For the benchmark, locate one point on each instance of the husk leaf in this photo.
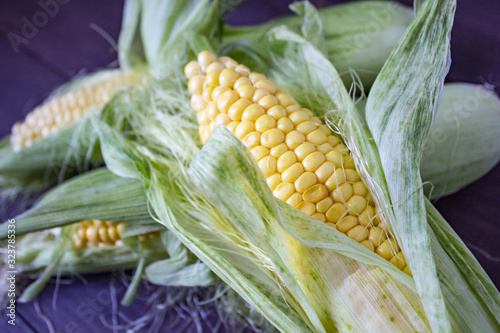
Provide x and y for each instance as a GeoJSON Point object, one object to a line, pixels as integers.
{"type": "Point", "coordinates": [98, 194]}
{"type": "Point", "coordinates": [399, 112]}
{"type": "Point", "coordinates": [463, 144]}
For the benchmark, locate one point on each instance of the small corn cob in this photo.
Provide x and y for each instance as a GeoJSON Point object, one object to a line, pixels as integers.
{"type": "Point", "coordinates": [96, 233]}
{"type": "Point", "coordinates": [304, 164]}
{"type": "Point", "coordinates": [63, 110]}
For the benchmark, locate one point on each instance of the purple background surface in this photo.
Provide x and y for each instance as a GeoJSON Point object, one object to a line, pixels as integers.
{"type": "Point", "coordinates": [69, 45]}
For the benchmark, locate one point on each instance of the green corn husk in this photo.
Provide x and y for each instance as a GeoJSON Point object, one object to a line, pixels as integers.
{"type": "Point", "coordinates": [461, 146]}
{"type": "Point", "coordinates": [82, 198]}
{"type": "Point", "coordinates": [153, 31]}
{"type": "Point", "coordinates": [399, 112]}
{"type": "Point", "coordinates": [358, 36]}
{"type": "Point", "coordinates": [463, 142]}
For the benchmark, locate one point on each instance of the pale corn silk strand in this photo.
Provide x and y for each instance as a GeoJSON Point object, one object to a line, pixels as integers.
{"type": "Point", "coordinates": [304, 164]}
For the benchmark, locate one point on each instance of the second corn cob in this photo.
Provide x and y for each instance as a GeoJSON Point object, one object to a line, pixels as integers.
{"type": "Point", "coordinates": [304, 164]}
{"type": "Point", "coordinates": [61, 111]}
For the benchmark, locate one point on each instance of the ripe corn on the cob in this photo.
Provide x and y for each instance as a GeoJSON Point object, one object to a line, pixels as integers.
{"type": "Point", "coordinates": [97, 233]}
{"type": "Point", "coordinates": [304, 164]}
{"type": "Point", "coordinates": [63, 110]}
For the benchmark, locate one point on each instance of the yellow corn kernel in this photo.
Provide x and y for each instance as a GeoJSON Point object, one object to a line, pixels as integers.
{"type": "Point", "coordinates": [197, 103]}
{"type": "Point", "coordinates": [215, 66]}
{"type": "Point", "coordinates": [351, 175]}
{"type": "Point", "coordinates": [335, 157]}
{"type": "Point", "coordinates": [226, 100]}
{"type": "Point", "coordinates": [399, 260]}
{"type": "Point", "coordinates": [292, 173]}
{"type": "Point", "coordinates": [212, 78]}
{"type": "Point", "coordinates": [323, 205]}
{"type": "Point", "coordinates": [325, 171]}
{"type": "Point", "coordinates": [258, 94]}
{"type": "Point", "coordinates": [388, 249]}
{"type": "Point", "coordinates": [347, 223]}
{"type": "Point", "coordinates": [312, 161]}
{"type": "Point", "coordinates": [294, 199]}
{"type": "Point", "coordinates": [305, 181]}
{"type": "Point", "coordinates": [342, 193]}
{"type": "Point", "coordinates": [377, 236]}
{"type": "Point", "coordinates": [285, 125]}
{"type": "Point", "coordinates": [242, 70]}
{"type": "Point", "coordinates": [246, 91]}
{"type": "Point", "coordinates": [252, 112]}
{"type": "Point", "coordinates": [356, 204]}
{"type": "Point", "coordinates": [252, 139]}
{"type": "Point", "coordinates": [315, 193]}
{"type": "Point", "coordinates": [254, 76]}
{"type": "Point", "coordinates": [235, 111]}
{"type": "Point", "coordinates": [191, 69]}
{"type": "Point", "coordinates": [306, 127]}
{"type": "Point", "coordinates": [359, 233]}
{"type": "Point", "coordinates": [298, 117]}
{"type": "Point", "coordinates": [205, 58]}
{"type": "Point", "coordinates": [273, 181]}
{"type": "Point", "coordinates": [360, 189]}
{"type": "Point", "coordinates": [267, 165]}
{"type": "Point", "coordinates": [279, 150]}
{"type": "Point", "coordinates": [303, 150]}
{"type": "Point", "coordinates": [273, 137]}
{"type": "Point", "coordinates": [368, 245]}
{"type": "Point", "coordinates": [317, 137]}
{"type": "Point", "coordinates": [335, 212]}
{"type": "Point", "coordinates": [244, 128]}
{"type": "Point", "coordinates": [268, 101]}
{"type": "Point", "coordinates": [264, 123]}
{"type": "Point", "coordinates": [259, 152]}
{"type": "Point", "coordinates": [283, 191]}
{"type": "Point", "coordinates": [306, 207]}
{"type": "Point", "coordinates": [286, 160]}
{"type": "Point", "coordinates": [285, 99]}
{"type": "Point", "coordinates": [367, 215]}
{"type": "Point", "coordinates": [277, 112]}
{"type": "Point", "coordinates": [218, 91]}
{"type": "Point", "coordinates": [222, 119]}
{"type": "Point", "coordinates": [243, 81]}
{"type": "Point", "coordinates": [228, 77]}
{"type": "Point", "coordinates": [265, 84]}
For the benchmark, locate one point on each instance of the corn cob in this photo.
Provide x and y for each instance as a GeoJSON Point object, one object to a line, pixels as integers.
{"type": "Point", "coordinates": [304, 164]}
{"type": "Point", "coordinates": [97, 233]}
{"type": "Point", "coordinates": [63, 110]}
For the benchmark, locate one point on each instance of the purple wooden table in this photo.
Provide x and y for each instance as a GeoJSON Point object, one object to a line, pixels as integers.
{"type": "Point", "coordinates": [69, 44]}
